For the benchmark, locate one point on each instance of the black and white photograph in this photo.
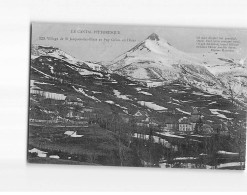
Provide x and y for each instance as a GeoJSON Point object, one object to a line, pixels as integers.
{"type": "Point", "coordinates": [123, 96]}
{"type": "Point", "coordinates": [137, 96]}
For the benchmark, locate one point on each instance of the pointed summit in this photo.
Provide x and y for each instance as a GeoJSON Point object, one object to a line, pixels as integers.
{"type": "Point", "coordinates": [154, 37]}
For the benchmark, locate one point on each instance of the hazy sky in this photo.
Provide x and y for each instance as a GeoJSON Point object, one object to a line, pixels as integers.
{"type": "Point", "coordinates": [180, 37]}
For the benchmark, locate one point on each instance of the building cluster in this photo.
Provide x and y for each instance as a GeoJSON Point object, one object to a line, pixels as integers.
{"type": "Point", "coordinates": [188, 125]}
{"type": "Point", "coordinates": [77, 111]}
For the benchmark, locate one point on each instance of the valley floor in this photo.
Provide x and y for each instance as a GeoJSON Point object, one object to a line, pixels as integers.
{"type": "Point", "coordinates": [94, 145]}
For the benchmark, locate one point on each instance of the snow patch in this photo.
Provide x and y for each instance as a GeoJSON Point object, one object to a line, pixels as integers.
{"type": "Point", "coordinates": [184, 158]}
{"type": "Point", "coordinates": [46, 75]}
{"type": "Point", "coordinates": [229, 153]}
{"type": "Point", "coordinates": [96, 67]}
{"type": "Point", "coordinates": [154, 83]}
{"type": "Point", "coordinates": [43, 83]}
{"type": "Point", "coordinates": [151, 105]}
{"type": "Point", "coordinates": [200, 135]}
{"type": "Point", "coordinates": [72, 134]}
{"type": "Point", "coordinates": [39, 152]}
{"type": "Point", "coordinates": [231, 164]}
{"type": "Point", "coordinates": [183, 111]}
{"type": "Point", "coordinates": [215, 112]}
{"type": "Point", "coordinates": [80, 90]}
{"type": "Point", "coordinates": [87, 72]}
{"type": "Point", "coordinates": [118, 94]}
{"type": "Point", "coordinates": [54, 156]}
{"type": "Point", "coordinates": [109, 102]}
{"type": "Point", "coordinates": [170, 135]}
{"type": "Point", "coordinates": [145, 93]}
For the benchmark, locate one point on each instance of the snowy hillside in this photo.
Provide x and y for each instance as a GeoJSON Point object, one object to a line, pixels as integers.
{"type": "Point", "coordinates": [156, 62]}
{"type": "Point", "coordinates": [38, 50]}
{"type": "Point", "coordinates": [232, 72]}
{"type": "Point", "coordinates": [154, 59]}
{"type": "Point", "coordinates": [55, 79]}
{"type": "Point", "coordinates": [218, 62]}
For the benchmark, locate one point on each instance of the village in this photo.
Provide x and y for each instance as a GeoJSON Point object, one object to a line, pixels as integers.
{"type": "Point", "coordinates": [173, 140]}
{"type": "Point", "coordinates": [115, 121]}
{"type": "Point", "coordinates": [77, 113]}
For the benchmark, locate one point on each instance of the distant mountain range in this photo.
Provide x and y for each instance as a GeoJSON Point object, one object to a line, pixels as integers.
{"type": "Point", "coordinates": [153, 78]}
{"type": "Point", "coordinates": [154, 62]}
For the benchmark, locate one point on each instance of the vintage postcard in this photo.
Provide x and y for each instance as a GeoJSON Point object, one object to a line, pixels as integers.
{"type": "Point", "coordinates": [139, 96]}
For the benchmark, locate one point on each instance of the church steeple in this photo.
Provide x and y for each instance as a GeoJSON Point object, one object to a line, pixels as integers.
{"type": "Point", "coordinates": [196, 120]}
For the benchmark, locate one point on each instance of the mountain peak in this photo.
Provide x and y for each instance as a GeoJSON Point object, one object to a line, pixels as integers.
{"type": "Point", "coordinates": [153, 36]}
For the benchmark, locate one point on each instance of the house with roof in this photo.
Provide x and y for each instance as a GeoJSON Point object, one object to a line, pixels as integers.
{"type": "Point", "coordinates": [142, 118]}
{"type": "Point", "coordinates": [185, 125]}
{"type": "Point", "coordinates": [170, 125]}
{"type": "Point", "coordinates": [140, 114]}
{"type": "Point", "coordinates": [193, 124]}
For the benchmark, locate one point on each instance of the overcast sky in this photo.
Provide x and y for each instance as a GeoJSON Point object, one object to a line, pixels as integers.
{"type": "Point", "coordinates": [180, 37]}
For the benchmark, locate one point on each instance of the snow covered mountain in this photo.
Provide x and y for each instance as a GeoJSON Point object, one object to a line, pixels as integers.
{"type": "Point", "coordinates": [53, 79]}
{"type": "Point", "coordinates": [232, 72]}
{"type": "Point", "coordinates": [218, 62]}
{"type": "Point", "coordinates": [156, 60]}
{"type": "Point", "coordinates": [38, 50]}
